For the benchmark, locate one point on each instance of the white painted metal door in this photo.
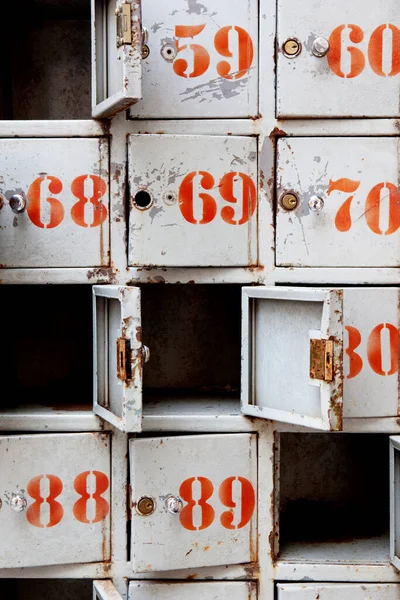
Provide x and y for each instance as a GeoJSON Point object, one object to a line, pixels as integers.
{"type": "Point", "coordinates": [210, 590]}
{"type": "Point", "coordinates": [292, 355]}
{"type": "Point", "coordinates": [194, 501]}
{"type": "Point", "coordinates": [54, 203]}
{"type": "Point", "coordinates": [203, 60]}
{"type": "Point", "coordinates": [105, 590]}
{"type": "Point", "coordinates": [116, 56]}
{"type": "Point", "coordinates": [118, 356]}
{"type": "Point", "coordinates": [338, 591]}
{"type": "Point", "coordinates": [186, 207]}
{"type": "Point", "coordinates": [360, 73]}
{"type": "Point", "coordinates": [55, 499]}
{"type": "Point", "coordinates": [348, 211]}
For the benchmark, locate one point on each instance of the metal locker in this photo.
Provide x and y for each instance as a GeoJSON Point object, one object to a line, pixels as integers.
{"type": "Point", "coordinates": [226, 590]}
{"type": "Point", "coordinates": [187, 208]}
{"type": "Point", "coordinates": [341, 59]}
{"type": "Point", "coordinates": [338, 202]}
{"type": "Point", "coordinates": [200, 61]}
{"type": "Point", "coordinates": [55, 499]}
{"type": "Point", "coordinates": [338, 591]}
{"type": "Point", "coordinates": [54, 203]}
{"type": "Point", "coordinates": [313, 356]}
{"type": "Point", "coordinates": [194, 501]}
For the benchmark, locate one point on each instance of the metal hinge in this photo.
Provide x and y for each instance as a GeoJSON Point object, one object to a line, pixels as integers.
{"type": "Point", "coordinates": [321, 359]}
{"type": "Point", "coordinates": [124, 360]}
{"type": "Point", "coordinates": [124, 24]}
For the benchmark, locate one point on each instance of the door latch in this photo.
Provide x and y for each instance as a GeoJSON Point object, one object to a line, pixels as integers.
{"type": "Point", "coordinates": [321, 359]}
{"type": "Point", "coordinates": [124, 362]}
{"type": "Point", "coordinates": [124, 24]}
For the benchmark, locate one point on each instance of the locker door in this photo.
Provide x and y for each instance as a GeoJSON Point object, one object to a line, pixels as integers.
{"type": "Point", "coordinates": [338, 59]}
{"type": "Point", "coordinates": [54, 203]}
{"type": "Point", "coordinates": [118, 356]}
{"type": "Point", "coordinates": [210, 590]}
{"type": "Point", "coordinates": [292, 355]}
{"type": "Point", "coordinates": [54, 499]}
{"type": "Point", "coordinates": [395, 501]}
{"type": "Point", "coordinates": [105, 590]}
{"type": "Point", "coordinates": [116, 56]}
{"type": "Point", "coordinates": [338, 591]}
{"type": "Point", "coordinates": [194, 501]}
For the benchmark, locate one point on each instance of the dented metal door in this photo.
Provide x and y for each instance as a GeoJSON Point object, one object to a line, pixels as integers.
{"type": "Point", "coordinates": [54, 203]}
{"type": "Point", "coordinates": [292, 355]}
{"type": "Point", "coordinates": [210, 590]}
{"type": "Point", "coordinates": [194, 501]}
{"type": "Point", "coordinates": [118, 356]}
{"type": "Point", "coordinates": [116, 56]}
{"type": "Point", "coordinates": [54, 499]}
{"type": "Point", "coordinates": [338, 202]}
{"type": "Point", "coordinates": [105, 590]}
{"type": "Point", "coordinates": [189, 209]}
{"type": "Point", "coordinates": [338, 59]}
{"type": "Point", "coordinates": [338, 591]}
{"type": "Point", "coordinates": [201, 59]}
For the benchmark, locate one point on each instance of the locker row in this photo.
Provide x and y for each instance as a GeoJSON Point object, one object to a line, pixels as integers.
{"type": "Point", "coordinates": [306, 356]}
{"type": "Point", "coordinates": [193, 501]}
{"type": "Point", "coordinates": [334, 202]}
{"type": "Point", "coordinates": [198, 60]}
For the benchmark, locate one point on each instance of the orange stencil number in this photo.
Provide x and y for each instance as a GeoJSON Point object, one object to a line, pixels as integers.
{"type": "Point", "coordinates": [34, 206]}
{"type": "Point", "coordinates": [200, 56]}
{"type": "Point", "coordinates": [207, 512]}
{"type": "Point", "coordinates": [248, 199]}
{"type": "Point", "coordinates": [245, 52]}
{"type": "Point", "coordinates": [373, 208]}
{"type": "Point", "coordinates": [335, 58]}
{"type": "Point", "coordinates": [247, 502]}
{"type": "Point", "coordinates": [376, 53]}
{"type": "Point", "coordinates": [89, 189]}
{"type": "Point", "coordinates": [36, 510]}
{"type": "Point", "coordinates": [101, 506]}
{"type": "Point", "coordinates": [343, 216]}
{"type": "Point", "coordinates": [355, 360]}
{"type": "Point", "coordinates": [375, 352]}
{"type": "Point", "coordinates": [186, 198]}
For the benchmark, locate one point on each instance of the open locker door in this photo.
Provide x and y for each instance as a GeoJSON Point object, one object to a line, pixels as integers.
{"type": "Point", "coordinates": [116, 56]}
{"type": "Point", "coordinates": [395, 501]}
{"type": "Point", "coordinates": [118, 356]}
{"type": "Point", "coordinates": [292, 355]}
{"type": "Point", "coordinates": [105, 590]}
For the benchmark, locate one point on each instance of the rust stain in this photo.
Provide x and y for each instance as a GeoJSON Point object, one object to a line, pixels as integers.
{"type": "Point", "coordinates": [276, 132]}
{"type": "Point", "coordinates": [206, 548]}
{"type": "Point", "coordinates": [193, 576]}
{"type": "Point", "coordinates": [252, 570]}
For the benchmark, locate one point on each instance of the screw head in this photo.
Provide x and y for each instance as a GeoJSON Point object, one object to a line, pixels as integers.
{"type": "Point", "coordinates": [18, 503]}
{"type": "Point", "coordinates": [145, 506]}
{"type": "Point", "coordinates": [316, 203]}
{"type": "Point", "coordinates": [320, 47]}
{"type": "Point", "coordinates": [174, 505]}
{"type": "Point", "coordinates": [17, 203]}
{"type": "Point", "coordinates": [289, 201]}
{"type": "Point", "coordinates": [291, 48]}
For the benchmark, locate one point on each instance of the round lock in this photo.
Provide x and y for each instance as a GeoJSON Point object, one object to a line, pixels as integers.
{"type": "Point", "coordinates": [17, 203]}
{"type": "Point", "coordinates": [291, 48]}
{"type": "Point", "coordinates": [320, 47]}
{"type": "Point", "coordinates": [145, 51]}
{"type": "Point", "coordinates": [289, 201]}
{"type": "Point", "coordinates": [18, 503]}
{"type": "Point", "coordinates": [174, 505]}
{"type": "Point", "coordinates": [315, 203]}
{"type": "Point", "coordinates": [145, 506]}
{"type": "Point", "coordinates": [142, 200]}
{"type": "Point", "coordinates": [170, 198]}
{"type": "Point", "coordinates": [168, 52]}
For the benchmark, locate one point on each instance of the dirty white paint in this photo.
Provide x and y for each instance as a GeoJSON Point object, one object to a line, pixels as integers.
{"type": "Point", "coordinates": [308, 87]}
{"type": "Point", "coordinates": [162, 541]}
{"type": "Point", "coordinates": [29, 538]}
{"type": "Point", "coordinates": [199, 91]}
{"type": "Point", "coordinates": [58, 228]}
{"type": "Point", "coordinates": [338, 591]}
{"type": "Point", "coordinates": [359, 224]}
{"type": "Point", "coordinates": [170, 231]}
{"type": "Point", "coordinates": [227, 590]}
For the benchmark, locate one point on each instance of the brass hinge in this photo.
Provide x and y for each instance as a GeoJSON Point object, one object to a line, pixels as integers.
{"type": "Point", "coordinates": [321, 359]}
{"type": "Point", "coordinates": [124, 24]}
{"type": "Point", "coordinates": [124, 359]}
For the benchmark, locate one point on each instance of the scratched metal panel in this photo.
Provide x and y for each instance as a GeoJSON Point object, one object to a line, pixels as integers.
{"type": "Point", "coordinates": [64, 479]}
{"type": "Point", "coordinates": [216, 478]}
{"type": "Point", "coordinates": [199, 211]}
{"type": "Point", "coordinates": [65, 185]}
{"type": "Point", "coordinates": [359, 223]}
{"type": "Point", "coordinates": [338, 591]}
{"type": "Point", "coordinates": [210, 590]}
{"type": "Point", "coordinates": [360, 74]}
{"type": "Point", "coordinates": [203, 59]}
